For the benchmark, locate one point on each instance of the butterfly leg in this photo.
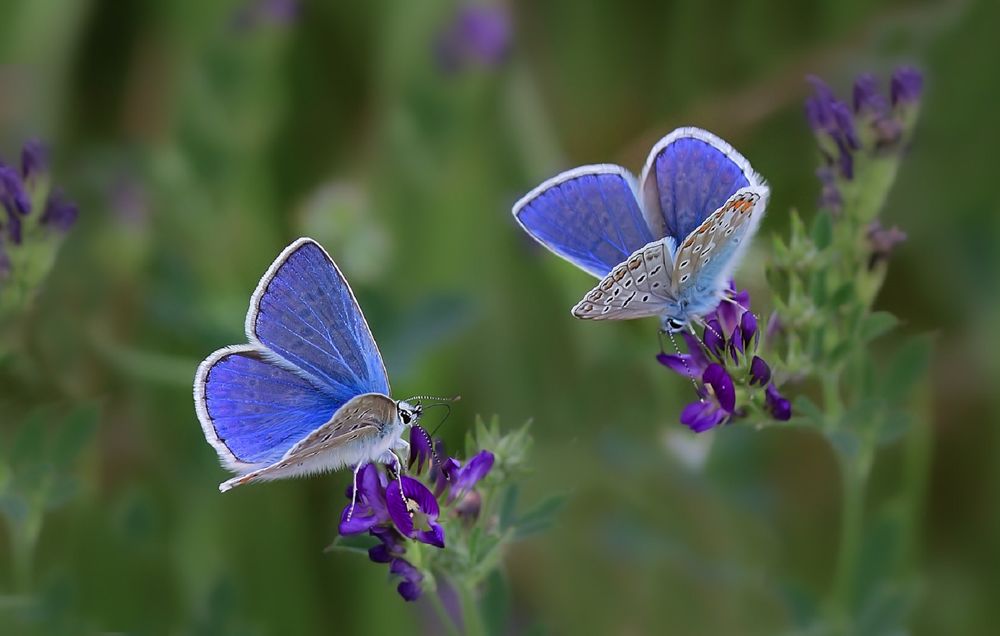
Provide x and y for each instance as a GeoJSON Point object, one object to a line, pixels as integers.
{"type": "Point", "coordinates": [390, 457]}
{"type": "Point", "coordinates": [354, 490]}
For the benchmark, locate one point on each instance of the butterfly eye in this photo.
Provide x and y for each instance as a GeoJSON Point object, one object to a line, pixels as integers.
{"type": "Point", "coordinates": [674, 325]}
{"type": "Point", "coordinates": [405, 416]}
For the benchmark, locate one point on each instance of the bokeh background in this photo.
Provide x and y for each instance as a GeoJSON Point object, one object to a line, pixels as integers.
{"type": "Point", "coordinates": [200, 137]}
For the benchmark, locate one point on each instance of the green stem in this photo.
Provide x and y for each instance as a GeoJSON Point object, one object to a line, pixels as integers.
{"type": "Point", "coordinates": [854, 469]}
{"type": "Point", "coordinates": [916, 464]}
{"type": "Point", "coordinates": [832, 406]}
{"type": "Point", "coordinates": [470, 611]}
{"type": "Point", "coordinates": [443, 615]}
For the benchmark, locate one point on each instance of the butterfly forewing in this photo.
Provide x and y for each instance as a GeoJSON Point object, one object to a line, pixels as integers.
{"type": "Point", "coordinates": [590, 216]}
{"type": "Point", "coordinates": [634, 289]}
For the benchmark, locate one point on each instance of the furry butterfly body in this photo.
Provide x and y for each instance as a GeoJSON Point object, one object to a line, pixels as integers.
{"type": "Point", "coordinates": [664, 245]}
{"type": "Point", "coordinates": [309, 393]}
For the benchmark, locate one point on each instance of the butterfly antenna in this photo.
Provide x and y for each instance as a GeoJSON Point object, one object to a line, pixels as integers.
{"type": "Point", "coordinates": [455, 398]}
{"type": "Point", "coordinates": [687, 367]}
{"type": "Point", "coordinates": [709, 327]}
{"type": "Point", "coordinates": [435, 458]}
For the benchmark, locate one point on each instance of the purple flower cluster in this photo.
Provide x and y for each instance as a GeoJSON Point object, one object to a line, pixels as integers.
{"type": "Point", "coordinates": [476, 35]}
{"type": "Point", "coordinates": [20, 191]}
{"type": "Point", "coordinates": [724, 363]}
{"type": "Point", "coordinates": [872, 122]}
{"type": "Point", "coordinates": [403, 509]}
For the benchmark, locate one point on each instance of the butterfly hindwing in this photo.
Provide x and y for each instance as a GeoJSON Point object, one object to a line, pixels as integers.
{"type": "Point", "coordinates": [347, 438]}
{"type": "Point", "coordinates": [252, 410]}
{"type": "Point", "coordinates": [689, 174]}
{"type": "Point", "coordinates": [637, 288]}
{"type": "Point", "coordinates": [304, 312]}
{"type": "Point", "coordinates": [590, 216]}
{"type": "Point", "coordinates": [708, 256]}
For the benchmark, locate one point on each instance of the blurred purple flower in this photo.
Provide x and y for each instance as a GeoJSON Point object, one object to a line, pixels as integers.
{"type": "Point", "coordinates": [717, 403]}
{"type": "Point", "coordinates": [883, 241]}
{"type": "Point", "coordinates": [760, 372]}
{"type": "Point", "coordinates": [34, 160]}
{"type": "Point", "coordinates": [15, 201]}
{"type": "Point", "coordinates": [906, 86]}
{"type": "Point", "coordinates": [829, 197]}
{"type": "Point", "coordinates": [257, 13]}
{"type": "Point", "coordinates": [59, 213]}
{"type": "Point", "coordinates": [476, 35]}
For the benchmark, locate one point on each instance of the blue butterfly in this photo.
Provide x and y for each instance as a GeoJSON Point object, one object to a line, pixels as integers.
{"type": "Point", "coordinates": [663, 246]}
{"type": "Point", "coordinates": [310, 391]}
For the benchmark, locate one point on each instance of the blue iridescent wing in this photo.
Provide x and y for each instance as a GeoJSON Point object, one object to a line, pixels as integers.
{"type": "Point", "coordinates": [706, 259]}
{"type": "Point", "coordinates": [305, 314]}
{"type": "Point", "coordinates": [590, 216]}
{"type": "Point", "coordinates": [689, 174]}
{"type": "Point", "coordinates": [253, 411]}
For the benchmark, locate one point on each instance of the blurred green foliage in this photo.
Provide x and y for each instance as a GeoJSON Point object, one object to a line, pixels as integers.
{"type": "Point", "coordinates": [198, 147]}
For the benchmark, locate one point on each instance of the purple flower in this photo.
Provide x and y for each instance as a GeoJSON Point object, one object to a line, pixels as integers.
{"type": "Point", "coordinates": [829, 197]}
{"type": "Point", "coordinates": [421, 451]}
{"type": "Point", "coordinates": [34, 160]}
{"type": "Point", "coordinates": [257, 13]}
{"type": "Point", "coordinates": [15, 200]}
{"type": "Point", "coordinates": [868, 101]}
{"type": "Point", "coordinates": [716, 406]}
{"type": "Point", "coordinates": [691, 364]}
{"type": "Point", "coordinates": [760, 373]}
{"type": "Point", "coordinates": [776, 404]}
{"type": "Point", "coordinates": [414, 511]}
{"type": "Point", "coordinates": [726, 356]}
{"type": "Point", "coordinates": [476, 35]}
{"type": "Point", "coordinates": [59, 213]}
{"type": "Point", "coordinates": [883, 241]}
{"type": "Point", "coordinates": [464, 478]}
{"type": "Point", "coordinates": [369, 507]}
{"type": "Point", "coordinates": [389, 547]}
{"type": "Point", "coordinates": [906, 86]}
{"type": "Point", "coordinates": [409, 588]}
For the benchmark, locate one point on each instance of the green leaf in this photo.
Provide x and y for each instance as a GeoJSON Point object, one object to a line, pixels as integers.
{"type": "Point", "coordinates": [804, 407]}
{"type": "Point", "coordinates": [541, 516]}
{"type": "Point", "coordinates": [842, 294]}
{"type": "Point", "coordinates": [817, 287]}
{"type": "Point", "coordinates": [907, 367]}
{"type": "Point", "coordinates": [508, 506]}
{"type": "Point", "coordinates": [877, 324]}
{"type": "Point", "coordinates": [75, 432]}
{"type": "Point", "coordinates": [822, 231]}
{"type": "Point", "coordinates": [496, 603]}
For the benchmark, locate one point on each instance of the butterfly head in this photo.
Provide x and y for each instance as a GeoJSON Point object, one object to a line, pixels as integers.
{"type": "Point", "coordinates": [409, 413]}
{"type": "Point", "coordinates": [672, 324]}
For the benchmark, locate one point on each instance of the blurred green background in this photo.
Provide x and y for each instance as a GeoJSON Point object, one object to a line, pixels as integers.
{"type": "Point", "coordinates": [201, 137]}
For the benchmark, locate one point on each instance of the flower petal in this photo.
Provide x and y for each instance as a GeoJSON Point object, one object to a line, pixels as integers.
{"type": "Point", "coordinates": [410, 587]}
{"type": "Point", "coordinates": [760, 373]}
{"type": "Point", "coordinates": [722, 385]}
{"type": "Point", "coordinates": [405, 505]}
{"type": "Point", "coordinates": [682, 364]}
{"type": "Point", "coordinates": [714, 340]}
{"type": "Point", "coordinates": [779, 407]}
{"type": "Point", "coordinates": [420, 447]}
{"type": "Point", "coordinates": [470, 474]}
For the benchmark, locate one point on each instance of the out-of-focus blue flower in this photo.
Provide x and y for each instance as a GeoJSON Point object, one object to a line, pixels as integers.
{"type": "Point", "coordinates": [476, 35]}
{"type": "Point", "coordinates": [725, 364]}
{"type": "Point", "coordinates": [60, 214]}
